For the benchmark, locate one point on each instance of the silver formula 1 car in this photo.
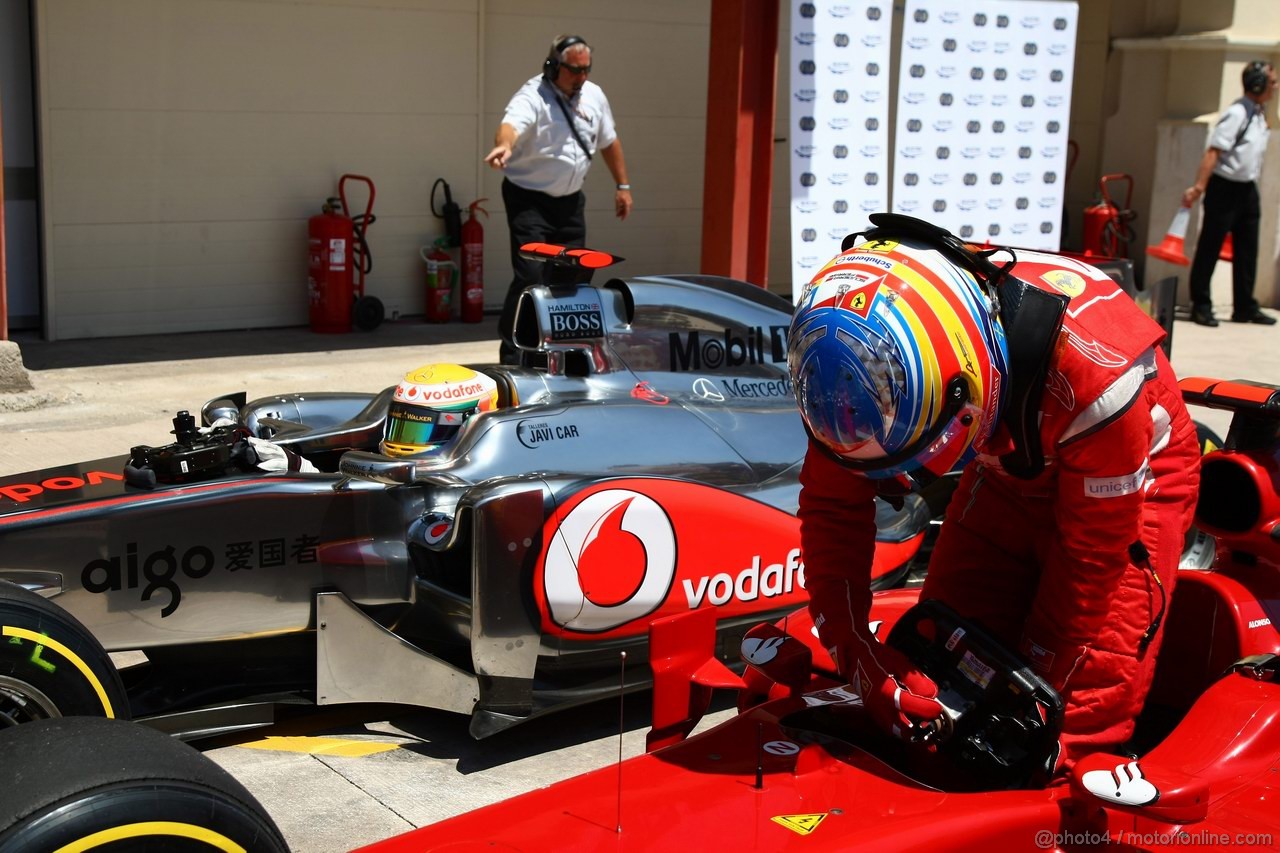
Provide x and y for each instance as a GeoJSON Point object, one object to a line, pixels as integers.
{"type": "Point", "coordinates": [643, 461]}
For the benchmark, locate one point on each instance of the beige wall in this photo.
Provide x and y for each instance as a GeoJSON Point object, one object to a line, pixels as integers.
{"type": "Point", "coordinates": [186, 142]}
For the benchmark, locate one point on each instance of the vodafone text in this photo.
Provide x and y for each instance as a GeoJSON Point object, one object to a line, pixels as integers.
{"type": "Point", "coordinates": [749, 584]}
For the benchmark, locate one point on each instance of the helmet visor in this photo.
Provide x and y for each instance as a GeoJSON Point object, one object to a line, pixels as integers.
{"type": "Point", "coordinates": [421, 427]}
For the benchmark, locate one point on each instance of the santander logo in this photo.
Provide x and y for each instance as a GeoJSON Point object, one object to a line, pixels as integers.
{"type": "Point", "coordinates": [612, 560]}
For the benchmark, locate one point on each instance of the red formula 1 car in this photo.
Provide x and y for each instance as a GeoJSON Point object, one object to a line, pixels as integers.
{"type": "Point", "coordinates": [803, 768]}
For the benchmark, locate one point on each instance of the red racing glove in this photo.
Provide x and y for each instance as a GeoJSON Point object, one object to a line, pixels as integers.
{"type": "Point", "coordinates": [899, 697]}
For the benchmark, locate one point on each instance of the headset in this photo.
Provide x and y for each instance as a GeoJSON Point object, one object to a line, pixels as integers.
{"type": "Point", "coordinates": [551, 67]}
{"type": "Point", "coordinates": [1256, 77]}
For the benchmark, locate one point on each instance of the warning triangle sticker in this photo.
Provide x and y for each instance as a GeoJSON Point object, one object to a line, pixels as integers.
{"type": "Point", "coordinates": [802, 824]}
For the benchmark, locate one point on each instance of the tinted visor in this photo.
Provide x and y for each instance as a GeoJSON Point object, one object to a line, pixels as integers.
{"type": "Point", "coordinates": [420, 426]}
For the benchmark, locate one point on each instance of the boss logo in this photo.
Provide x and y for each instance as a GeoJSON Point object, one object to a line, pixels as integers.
{"type": "Point", "coordinates": [872, 124]}
{"type": "Point", "coordinates": [939, 205]}
{"type": "Point", "coordinates": [873, 13]}
{"type": "Point", "coordinates": [943, 152]}
{"type": "Point", "coordinates": [871, 179]}
{"type": "Point", "coordinates": [840, 206]}
{"type": "Point", "coordinates": [809, 235]}
{"type": "Point", "coordinates": [917, 70]}
{"type": "Point", "coordinates": [949, 45]}
{"type": "Point", "coordinates": [974, 127]}
{"type": "Point", "coordinates": [1050, 177]}
{"type": "Point", "coordinates": [840, 96]}
{"type": "Point", "coordinates": [807, 123]}
{"type": "Point", "coordinates": [1000, 73]}
{"type": "Point", "coordinates": [576, 323]}
{"type": "Point", "coordinates": [808, 66]}
{"type": "Point", "coordinates": [910, 179]}
{"type": "Point", "coordinates": [946, 99]}
{"type": "Point", "coordinates": [841, 39]}
{"type": "Point", "coordinates": [1056, 75]}
{"type": "Point", "coordinates": [979, 20]}
{"type": "Point", "coordinates": [966, 231]}
{"type": "Point", "coordinates": [970, 179]}
{"type": "Point", "coordinates": [914, 125]}
{"type": "Point", "coordinates": [1030, 48]}
{"type": "Point", "coordinates": [997, 179]}
{"type": "Point", "coordinates": [873, 69]}
{"type": "Point", "coordinates": [1022, 203]}
{"type": "Point", "coordinates": [997, 126]}
{"type": "Point", "coordinates": [808, 179]}
{"type": "Point", "coordinates": [1024, 152]}
{"type": "Point", "coordinates": [840, 152]}
{"type": "Point", "coordinates": [1028, 100]}
{"type": "Point", "coordinates": [975, 73]}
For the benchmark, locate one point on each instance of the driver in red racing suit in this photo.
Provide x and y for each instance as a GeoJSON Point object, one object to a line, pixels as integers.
{"type": "Point", "coordinates": [1080, 466]}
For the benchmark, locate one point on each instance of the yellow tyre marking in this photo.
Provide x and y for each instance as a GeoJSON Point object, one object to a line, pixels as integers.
{"type": "Point", "coordinates": [50, 643]}
{"type": "Point", "coordinates": [322, 746]}
{"type": "Point", "coordinates": [153, 827]}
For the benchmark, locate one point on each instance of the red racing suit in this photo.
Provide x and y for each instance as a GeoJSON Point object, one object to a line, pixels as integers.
{"type": "Point", "coordinates": [1048, 564]}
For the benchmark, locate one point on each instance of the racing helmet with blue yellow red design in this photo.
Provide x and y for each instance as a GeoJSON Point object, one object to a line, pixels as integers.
{"type": "Point", "coordinates": [431, 404]}
{"type": "Point", "coordinates": [898, 359]}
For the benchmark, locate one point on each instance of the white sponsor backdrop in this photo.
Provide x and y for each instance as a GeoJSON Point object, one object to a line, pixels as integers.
{"type": "Point", "coordinates": [980, 124]}
{"type": "Point", "coordinates": [839, 135]}
{"type": "Point", "coordinates": [983, 112]}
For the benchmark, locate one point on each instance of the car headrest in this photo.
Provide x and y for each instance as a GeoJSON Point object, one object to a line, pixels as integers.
{"type": "Point", "coordinates": [560, 320]}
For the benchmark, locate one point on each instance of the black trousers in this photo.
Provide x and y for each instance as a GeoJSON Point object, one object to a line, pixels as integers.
{"type": "Point", "coordinates": [1230, 207]}
{"type": "Point", "coordinates": [535, 217]}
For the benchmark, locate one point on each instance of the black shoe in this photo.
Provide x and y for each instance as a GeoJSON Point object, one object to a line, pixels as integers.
{"type": "Point", "coordinates": [1256, 317]}
{"type": "Point", "coordinates": [1204, 317]}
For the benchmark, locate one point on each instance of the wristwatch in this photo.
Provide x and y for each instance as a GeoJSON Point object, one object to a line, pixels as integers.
{"type": "Point", "coordinates": [624, 186]}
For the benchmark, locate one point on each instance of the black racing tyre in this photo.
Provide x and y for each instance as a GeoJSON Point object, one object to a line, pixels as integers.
{"type": "Point", "coordinates": [367, 313]}
{"type": "Point", "coordinates": [89, 783]}
{"type": "Point", "coordinates": [50, 665]}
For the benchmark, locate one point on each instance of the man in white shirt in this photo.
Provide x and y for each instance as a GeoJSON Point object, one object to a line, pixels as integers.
{"type": "Point", "coordinates": [1227, 178]}
{"type": "Point", "coordinates": [553, 127]}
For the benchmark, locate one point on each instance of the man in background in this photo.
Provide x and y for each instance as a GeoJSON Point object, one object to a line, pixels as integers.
{"type": "Point", "coordinates": [553, 127]}
{"type": "Point", "coordinates": [1228, 181]}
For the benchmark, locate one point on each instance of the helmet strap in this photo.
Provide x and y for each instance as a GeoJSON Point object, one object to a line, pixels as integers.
{"type": "Point", "coordinates": [1032, 319]}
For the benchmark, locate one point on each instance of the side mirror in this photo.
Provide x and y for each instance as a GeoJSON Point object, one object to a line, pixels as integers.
{"type": "Point", "coordinates": [1141, 787]}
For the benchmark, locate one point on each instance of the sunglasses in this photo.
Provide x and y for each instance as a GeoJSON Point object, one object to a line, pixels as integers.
{"type": "Point", "coordinates": [576, 69]}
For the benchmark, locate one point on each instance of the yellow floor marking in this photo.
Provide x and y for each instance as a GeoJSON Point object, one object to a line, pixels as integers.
{"type": "Point", "coordinates": [323, 746]}
{"type": "Point", "coordinates": [800, 823]}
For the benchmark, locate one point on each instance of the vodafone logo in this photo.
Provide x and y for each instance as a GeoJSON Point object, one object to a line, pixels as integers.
{"type": "Point", "coordinates": [611, 561]}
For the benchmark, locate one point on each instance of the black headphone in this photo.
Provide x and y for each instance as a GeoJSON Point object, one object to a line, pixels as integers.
{"type": "Point", "coordinates": [551, 67]}
{"type": "Point", "coordinates": [1255, 77]}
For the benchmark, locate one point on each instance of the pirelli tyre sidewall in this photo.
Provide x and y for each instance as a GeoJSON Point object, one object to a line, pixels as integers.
{"type": "Point", "coordinates": [50, 665]}
{"type": "Point", "coordinates": [87, 783]}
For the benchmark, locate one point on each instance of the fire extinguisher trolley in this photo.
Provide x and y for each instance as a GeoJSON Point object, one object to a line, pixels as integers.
{"type": "Point", "coordinates": [339, 260]}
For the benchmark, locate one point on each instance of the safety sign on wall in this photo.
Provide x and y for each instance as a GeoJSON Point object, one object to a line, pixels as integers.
{"type": "Point", "coordinates": [979, 124]}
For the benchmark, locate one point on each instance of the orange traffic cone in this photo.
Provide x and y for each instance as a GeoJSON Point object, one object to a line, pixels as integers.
{"type": "Point", "coordinates": [1228, 252]}
{"type": "Point", "coordinates": [1171, 247]}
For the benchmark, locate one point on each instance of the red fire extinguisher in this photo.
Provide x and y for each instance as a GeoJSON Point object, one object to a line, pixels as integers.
{"type": "Point", "coordinates": [439, 282]}
{"type": "Point", "coordinates": [473, 265]}
{"type": "Point", "coordinates": [1107, 231]}
{"type": "Point", "coordinates": [329, 270]}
